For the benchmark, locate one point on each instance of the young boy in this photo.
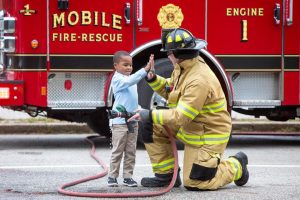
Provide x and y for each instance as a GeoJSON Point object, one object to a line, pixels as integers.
{"type": "Point", "coordinates": [124, 141]}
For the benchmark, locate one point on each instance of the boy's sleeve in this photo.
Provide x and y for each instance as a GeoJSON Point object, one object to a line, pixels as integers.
{"type": "Point", "coordinates": [120, 82]}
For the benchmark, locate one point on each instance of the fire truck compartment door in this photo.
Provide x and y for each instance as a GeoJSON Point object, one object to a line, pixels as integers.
{"type": "Point", "coordinates": [291, 54]}
{"type": "Point", "coordinates": [246, 37]}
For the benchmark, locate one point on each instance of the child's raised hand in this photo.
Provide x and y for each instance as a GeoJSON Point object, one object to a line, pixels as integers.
{"type": "Point", "coordinates": [150, 64]}
{"type": "Point", "coordinates": [151, 71]}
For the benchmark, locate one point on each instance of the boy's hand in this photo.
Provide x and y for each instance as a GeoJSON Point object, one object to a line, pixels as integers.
{"type": "Point", "coordinates": [150, 64]}
{"type": "Point", "coordinates": [151, 72]}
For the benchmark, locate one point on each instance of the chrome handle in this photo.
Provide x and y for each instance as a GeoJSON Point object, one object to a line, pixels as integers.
{"type": "Point", "coordinates": [127, 13]}
{"type": "Point", "coordinates": [140, 12]}
{"type": "Point", "coordinates": [289, 20]}
{"type": "Point", "coordinates": [277, 13]}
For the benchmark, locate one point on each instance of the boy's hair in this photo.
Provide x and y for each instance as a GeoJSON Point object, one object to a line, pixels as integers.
{"type": "Point", "coordinates": [118, 55]}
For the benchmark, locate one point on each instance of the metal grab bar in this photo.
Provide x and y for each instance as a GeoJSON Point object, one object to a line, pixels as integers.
{"type": "Point", "coordinates": [289, 20]}
{"type": "Point", "coordinates": [140, 12]}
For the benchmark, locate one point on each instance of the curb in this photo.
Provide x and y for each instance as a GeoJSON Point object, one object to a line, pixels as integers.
{"type": "Point", "coordinates": [45, 128]}
{"type": "Point", "coordinates": [266, 127]}
{"type": "Point", "coordinates": [239, 127]}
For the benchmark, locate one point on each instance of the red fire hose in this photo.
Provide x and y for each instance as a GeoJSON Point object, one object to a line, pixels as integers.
{"type": "Point", "coordinates": [119, 195]}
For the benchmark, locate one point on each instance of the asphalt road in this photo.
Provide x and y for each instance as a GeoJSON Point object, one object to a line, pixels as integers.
{"type": "Point", "coordinates": [34, 166]}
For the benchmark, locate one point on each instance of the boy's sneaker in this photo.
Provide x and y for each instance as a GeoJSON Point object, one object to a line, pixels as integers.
{"type": "Point", "coordinates": [112, 182]}
{"type": "Point", "coordinates": [130, 182]}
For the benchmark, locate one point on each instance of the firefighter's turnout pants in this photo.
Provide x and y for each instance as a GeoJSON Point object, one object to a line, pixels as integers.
{"type": "Point", "coordinates": [198, 117]}
{"type": "Point", "coordinates": [203, 168]}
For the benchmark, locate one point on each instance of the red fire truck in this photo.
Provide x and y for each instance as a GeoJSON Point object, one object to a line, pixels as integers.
{"type": "Point", "coordinates": [56, 55]}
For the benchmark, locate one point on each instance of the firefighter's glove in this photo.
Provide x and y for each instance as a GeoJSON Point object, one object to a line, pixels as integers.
{"type": "Point", "coordinates": [145, 117]}
{"type": "Point", "coordinates": [144, 114]}
{"type": "Point", "coordinates": [150, 77]}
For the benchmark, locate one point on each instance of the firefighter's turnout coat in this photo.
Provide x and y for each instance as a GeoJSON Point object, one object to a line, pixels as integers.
{"type": "Point", "coordinates": [198, 116]}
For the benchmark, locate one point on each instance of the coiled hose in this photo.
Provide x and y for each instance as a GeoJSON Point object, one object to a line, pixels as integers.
{"type": "Point", "coordinates": [105, 168]}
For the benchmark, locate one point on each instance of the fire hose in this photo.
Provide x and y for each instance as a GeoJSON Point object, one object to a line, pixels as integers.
{"type": "Point", "coordinates": [104, 173]}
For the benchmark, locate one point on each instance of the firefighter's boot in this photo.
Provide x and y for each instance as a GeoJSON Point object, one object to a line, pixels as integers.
{"type": "Point", "coordinates": [243, 159]}
{"type": "Point", "coordinates": [160, 180]}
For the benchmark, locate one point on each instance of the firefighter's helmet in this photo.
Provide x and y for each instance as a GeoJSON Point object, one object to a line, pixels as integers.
{"type": "Point", "coordinates": [181, 40]}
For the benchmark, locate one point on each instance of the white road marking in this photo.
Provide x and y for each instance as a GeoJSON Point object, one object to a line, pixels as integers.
{"type": "Point", "coordinates": [47, 166]}
{"type": "Point", "coordinates": [141, 165]}
{"type": "Point", "coordinates": [275, 166]}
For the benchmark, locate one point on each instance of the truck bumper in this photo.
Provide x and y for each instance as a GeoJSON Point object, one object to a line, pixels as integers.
{"type": "Point", "coordinates": [11, 93]}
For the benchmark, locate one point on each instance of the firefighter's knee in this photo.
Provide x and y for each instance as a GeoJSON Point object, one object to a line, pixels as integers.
{"type": "Point", "coordinates": [205, 167]}
{"type": "Point", "coordinates": [202, 173]}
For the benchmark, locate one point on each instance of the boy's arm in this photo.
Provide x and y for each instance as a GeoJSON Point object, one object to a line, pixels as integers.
{"type": "Point", "coordinates": [120, 82]}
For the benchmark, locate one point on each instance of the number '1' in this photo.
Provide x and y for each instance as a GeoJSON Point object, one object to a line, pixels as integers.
{"type": "Point", "coordinates": [244, 24]}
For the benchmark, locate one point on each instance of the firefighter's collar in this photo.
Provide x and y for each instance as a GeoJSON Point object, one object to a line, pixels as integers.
{"type": "Point", "coordinates": [190, 62]}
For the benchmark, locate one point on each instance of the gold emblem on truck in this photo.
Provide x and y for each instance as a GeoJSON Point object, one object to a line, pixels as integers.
{"type": "Point", "coordinates": [170, 16]}
{"type": "Point", "coordinates": [26, 11]}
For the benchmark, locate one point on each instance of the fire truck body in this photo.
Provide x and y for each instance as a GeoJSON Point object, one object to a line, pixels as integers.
{"type": "Point", "coordinates": [56, 55]}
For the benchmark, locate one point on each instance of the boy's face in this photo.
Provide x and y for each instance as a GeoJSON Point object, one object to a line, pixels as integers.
{"type": "Point", "coordinates": [124, 66]}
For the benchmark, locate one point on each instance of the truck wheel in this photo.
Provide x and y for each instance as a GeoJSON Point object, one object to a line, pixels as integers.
{"type": "Point", "coordinates": [148, 99]}
{"type": "Point", "coordinates": [164, 68]}
{"type": "Point", "coordinates": [99, 123]}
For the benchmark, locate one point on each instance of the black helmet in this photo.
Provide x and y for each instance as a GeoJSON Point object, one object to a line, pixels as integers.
{"type": "Point", "coordinates": [182, 43]}
{"type": "Point", "coordinates": [181, 39]}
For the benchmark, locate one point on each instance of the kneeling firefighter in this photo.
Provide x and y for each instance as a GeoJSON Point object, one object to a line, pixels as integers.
{"type": "Point", "coordinates": [197, 114]}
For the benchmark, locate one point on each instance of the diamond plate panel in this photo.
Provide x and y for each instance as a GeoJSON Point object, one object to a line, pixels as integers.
{"type": "Point", "coordinates": [255, 85]}
{"type": "Point", "coordinates": [87, 90]}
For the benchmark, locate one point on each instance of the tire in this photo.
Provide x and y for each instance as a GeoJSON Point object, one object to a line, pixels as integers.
{"type": "Point", "coordinates": [98, 121]}
{"type": "Point", "coordinates": [164, 68]}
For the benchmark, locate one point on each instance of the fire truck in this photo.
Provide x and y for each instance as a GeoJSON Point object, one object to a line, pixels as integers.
{"type": "Point", "coordinates": [56, 55]}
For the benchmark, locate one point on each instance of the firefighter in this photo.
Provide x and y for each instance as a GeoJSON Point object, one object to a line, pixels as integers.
{"type": "Point", "coordinates": [197, 114]}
